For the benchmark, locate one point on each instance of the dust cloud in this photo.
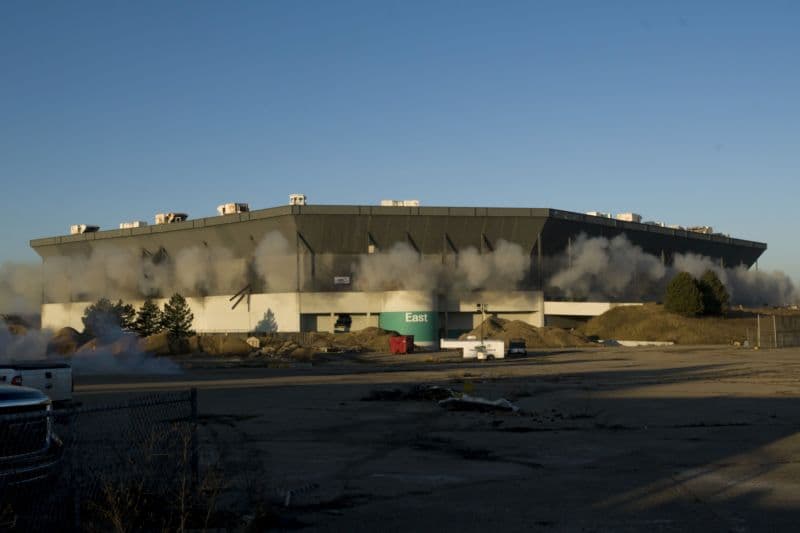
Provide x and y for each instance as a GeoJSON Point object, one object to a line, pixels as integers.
{"type": "Point", "coordinates": [20, 288]}
{"type": "Point", "coordinates": [275, 263]}
{"type": "Point", "coordinates": [593, 268]}
{"type": "Point", "coordinates": [599, 268]}
{"type": "Point", "coordinates": [122, 356]}
{"type": "Point", "coordinates": [401, 267]}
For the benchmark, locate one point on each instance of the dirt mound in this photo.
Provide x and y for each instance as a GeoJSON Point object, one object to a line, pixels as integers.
{"type": "Point", "coordinates": [17, 329]}
{"type": "Point", "coordinates": [224, 345]}
{"type": "Point", "coordinates": [366, 340]}
{"type": "Point", "coordinates": [157, 344]}
{"type": "Point", "coordinates": [127, 343]}
{"type": "Point", "coordinates": [651, 322]}
{"type": "Point", "coordinates": [546, 337]}
{"type": "Point", "coordinates": [66, 341]}
{"type": "Point", "coordinates": [17, 320]}
{"type": "Point", "coordinates": [305, 345]}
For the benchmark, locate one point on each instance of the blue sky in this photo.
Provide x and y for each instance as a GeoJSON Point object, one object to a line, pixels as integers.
{"type": "Point", "coordinates": [686, 112]}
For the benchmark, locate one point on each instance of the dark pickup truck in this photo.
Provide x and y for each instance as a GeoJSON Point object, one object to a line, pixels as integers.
{"type": "Point", "coordinates": [29, 450]}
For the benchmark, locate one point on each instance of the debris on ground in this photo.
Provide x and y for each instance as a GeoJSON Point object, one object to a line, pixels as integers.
{"type": "Point", "coordinates": [415, 393]}
{"type": "Point", "coordinates": [447, 398]}
{"type": "Point", "coordinates": [465, 402]}
{"type": "Point", "coordinates": [546, 337]}
{"type": "Point", "coordinates": [305, 345]}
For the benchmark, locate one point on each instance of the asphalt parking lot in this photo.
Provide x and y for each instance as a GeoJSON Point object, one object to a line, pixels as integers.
{"type": "Point", "coordinates": [605, 439]}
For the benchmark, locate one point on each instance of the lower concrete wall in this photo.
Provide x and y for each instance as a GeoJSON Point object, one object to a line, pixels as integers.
{"type": "Point", "coordinates": [57, 316]}
{"type": "Point", "coordinates": [327, 322]}
{"type": "Point", "coordinates": [576, 309]}
{"type": "Point", "coordinates": [319, 310]}
{"type": "Point", "coordinates": [211, 314]}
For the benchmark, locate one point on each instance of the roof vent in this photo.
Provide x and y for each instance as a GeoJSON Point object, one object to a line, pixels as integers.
{"type": "Point", "coordinates": [297, 199]}
{"type": "Point", "coordinates": [400, 203]}
{"type": "Point", "coordinates": [629, 217]}
{"type": "Point", "coordinates": [229, 209]}
{"type": "Point", "coordinates": [170, 218]}
{"type": "Point", "coordinates": [77, 229]}
{"type": "Point", "coordinates": [132, 224]}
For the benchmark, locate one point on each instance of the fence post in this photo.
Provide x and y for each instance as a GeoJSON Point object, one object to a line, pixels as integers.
{"type": "Point", "coordinates": [758, 330]}
{"type": "Point", "coordinates": [195, 444]}
{"type": "Point", "coordinates": [775, 330]}
{"type": "Point", "coordinates": [75, 481]}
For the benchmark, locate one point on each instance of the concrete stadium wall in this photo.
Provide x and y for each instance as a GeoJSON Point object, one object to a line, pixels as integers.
{"type": "Point", "coordinates": [211, 314]}
{"type": "Point", "coordinates": [587, 309]}
{"type": "Point", "coordinates": [68, 315]}
{"type": "Point", "coordinates": [293, 311]}
{"type": "Point", "coordinates": [327, 322]}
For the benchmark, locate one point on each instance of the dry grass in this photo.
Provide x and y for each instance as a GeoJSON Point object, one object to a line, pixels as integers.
{"type": "Point", "coordinates": [651, 322]}
{"type": "Point", "coordinates": [158, 492]}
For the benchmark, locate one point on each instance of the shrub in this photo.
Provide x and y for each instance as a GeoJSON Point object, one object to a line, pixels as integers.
{"type": "Point", "coordinates": [149, 319]}
{"type": "Point", "coordinates": [715, 295]}
{"type": "Point", "coordinates": [683, 296]}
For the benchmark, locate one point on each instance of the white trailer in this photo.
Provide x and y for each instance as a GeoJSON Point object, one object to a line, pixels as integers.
{"type": "Point", "coordinates": [474, 349]}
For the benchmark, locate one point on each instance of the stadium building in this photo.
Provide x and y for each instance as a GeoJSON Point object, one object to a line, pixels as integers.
{"type": "Point", "coordinates": [416, 270]}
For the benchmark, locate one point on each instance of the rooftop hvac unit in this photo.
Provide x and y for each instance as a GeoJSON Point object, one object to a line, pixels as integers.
{"type": "Point", "coordinates": [77, 229]}
{"type": "Point", "coordinates": [598, 214]}
{"type": "Point", "coordinates": [629, 217]}
{"type": "Point", "coordinates": [132, 224]}
{"type": "Point", "coordinates": [705, 230]}
{"type": "Point", "coordinates": [400, 203]}
{"type": "Point", "coordinates": [297, 199]}
{"type": "Point", "coordinates": [170, 218]}
{"type": "Point", "coordinates": [229, 209]}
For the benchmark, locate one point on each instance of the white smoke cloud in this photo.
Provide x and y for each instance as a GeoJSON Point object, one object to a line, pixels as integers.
{"type": "Point", "coordinates": [29, 346]}
{"type": "Point", "coordinates": [503, 268]}
{"type": "Point", "coordinates": [123, 356]}
{"type": "Point", "coordinates": [203, 270]}
{"type": "Point", "coordinates": [401, 267]}
{"type": "Point", "coordinates": [118, 273]}
{"type": "Point", "coordinates": [276, 263]}
{"type": "Point", "coordinates": [20, 288]}
{"type": "Point", "coordinates": [398, 268]}
{"type": "Point", "coordinates": [745, 286]}
{"type": "Point", "coordinates": [600, 268]}
{"type": "Point", "coordinates": [106, 361]}
{"type": "Point", "coordinates": [193, 269]}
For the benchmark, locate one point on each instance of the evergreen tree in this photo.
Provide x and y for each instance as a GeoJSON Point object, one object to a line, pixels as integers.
{"type": "Point", "coordinates": [683, 296]}
{"type": "Point", "coordinates": [715, 295]}
{"type": "Point", "coordinates": [126, 315]}
{"type": "Point", "coordinates": [148, 320]}
{"type": "Point", "coordinates": [177, 321]}
{"type": "Point", "coordinates": [106, 320]}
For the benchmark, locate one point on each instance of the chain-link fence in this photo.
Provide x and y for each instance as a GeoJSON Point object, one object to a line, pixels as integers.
{"type": "Point", "coordinates": [775, 331]}
{"type": "Point", "coordinates": [129, 466]}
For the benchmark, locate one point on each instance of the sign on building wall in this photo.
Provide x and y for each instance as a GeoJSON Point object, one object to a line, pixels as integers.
{"type": "Point", "coordinates": [424, 325]}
